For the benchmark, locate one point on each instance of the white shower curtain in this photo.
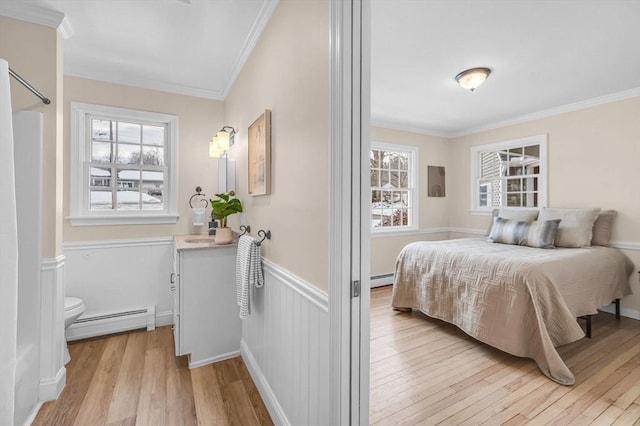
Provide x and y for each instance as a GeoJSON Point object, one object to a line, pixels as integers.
{"type": "Point", "coordinates": [8, 255]}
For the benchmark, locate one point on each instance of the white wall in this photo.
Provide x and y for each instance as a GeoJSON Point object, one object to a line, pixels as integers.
{"type": "Point", "coordinates": [433, 220]}
{"type": "Point", "coordinates": [286, 339]}
{"type": "Point", "coordinates": [285, 344]}
{"type": "Point", "coordinates": [288, 73]}
{"type": "Point", "coordinates": [119, 276]}
{"type": "Point", "coordinates": [198, 121]}
{"type": "Point", "coordinates": [594, 161]}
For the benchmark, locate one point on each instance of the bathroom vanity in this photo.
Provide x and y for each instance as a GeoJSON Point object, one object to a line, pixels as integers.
{"type": "Point", "coordinates": [206, 320]}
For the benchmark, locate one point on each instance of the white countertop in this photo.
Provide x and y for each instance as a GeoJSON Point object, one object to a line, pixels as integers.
{"type": "Point", "coordinates": [199, 241]}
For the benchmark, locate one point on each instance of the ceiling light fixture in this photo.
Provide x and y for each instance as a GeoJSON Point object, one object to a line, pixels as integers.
{"type": "Point", "coordinates": [472, 78]}
{"type": "Point", "coordinates": [220, 143]}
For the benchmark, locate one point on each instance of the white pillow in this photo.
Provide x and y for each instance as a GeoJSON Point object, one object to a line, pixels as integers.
{"type": "Point", "coordinates": [602, 228]}
{"type": "Point", "coordinates": [576, 225]}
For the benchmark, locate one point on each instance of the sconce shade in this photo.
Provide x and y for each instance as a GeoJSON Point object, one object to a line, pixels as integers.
{"type": "Point", "coordinates": [472, 78]}
{"type": "Point", "coordinates": [221, 142]}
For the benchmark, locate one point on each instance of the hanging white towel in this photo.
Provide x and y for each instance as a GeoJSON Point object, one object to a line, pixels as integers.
{"type": "Point", "coordinates": [248, 272]}
{"type": "Point", "coordinates": [8, 255]}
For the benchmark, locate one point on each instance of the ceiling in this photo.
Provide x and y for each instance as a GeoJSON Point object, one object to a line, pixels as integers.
{"type": "Point", "coordinates": [192, 47]}
{"type": "Point", "coordinates": [545, 55]}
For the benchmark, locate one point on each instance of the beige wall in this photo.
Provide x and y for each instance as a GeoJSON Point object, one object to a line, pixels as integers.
{"type": "Point", "coordinates": [288, 73]}
{"type": "Point", "coordinates": [35, 53]}
{"type": "Point", "coordinates": [433, 211]}
{"type": "Point", "coordinates": [198, 120]}
{"type": "Point", "coordinates": [594, 161]}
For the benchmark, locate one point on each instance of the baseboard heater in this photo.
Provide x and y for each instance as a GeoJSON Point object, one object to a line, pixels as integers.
{"type": "Point", "coordinates": [381, 280]}
{"type": "Point", "coordinates": [116, 322]}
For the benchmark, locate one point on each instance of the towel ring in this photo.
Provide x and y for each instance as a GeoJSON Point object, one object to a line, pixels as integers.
{"type": "Point", "coordinates": [266, 235]}
{"type": "Point", "coordinates": [198, 193]}
{"type": "Point", "coordinates": [245, 229]}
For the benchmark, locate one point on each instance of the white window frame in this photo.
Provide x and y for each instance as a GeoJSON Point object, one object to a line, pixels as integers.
{"type": "Point", "coordinates": [413, 185]}
{"type": "Point", "coordinates": [540, 140]}
{"type": "Point", "coordinates": [80, 215]}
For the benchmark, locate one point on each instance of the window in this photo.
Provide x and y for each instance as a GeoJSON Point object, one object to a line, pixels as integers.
{"type": "Point", "coordinates": [122, 166]}
{"type": "Point", "coordinates": [393, 187]}
{"type": "Point", "coordinates": [509, 174]}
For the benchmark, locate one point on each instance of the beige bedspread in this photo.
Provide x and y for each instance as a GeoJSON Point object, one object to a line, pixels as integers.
{"type": "Point", "coordinates": [521, 300]}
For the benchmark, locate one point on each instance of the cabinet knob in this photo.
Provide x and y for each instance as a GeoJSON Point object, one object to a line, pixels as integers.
{"type": "Point", "coordinates": [172, 278]}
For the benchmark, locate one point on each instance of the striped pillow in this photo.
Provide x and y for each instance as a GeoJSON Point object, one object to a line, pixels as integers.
{"type": "Point", "coordinates": [532, 234]}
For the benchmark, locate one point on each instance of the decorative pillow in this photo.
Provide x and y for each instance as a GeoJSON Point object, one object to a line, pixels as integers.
{"type": "Point", "coordinates": [576, 227]}
{"type": "Point", "coordinates": [521, 215]}
{"type": "Point", "coordinates": [602, 228]}
{"type": "Point", "coordinates": [532, 234]}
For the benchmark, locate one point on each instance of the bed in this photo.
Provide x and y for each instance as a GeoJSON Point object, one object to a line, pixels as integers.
{"type": "Point", "coordinates": [519, 299]}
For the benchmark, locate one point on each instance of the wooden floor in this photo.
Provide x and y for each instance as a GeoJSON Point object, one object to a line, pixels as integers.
{"type": "Point", "coordinates": [136, 379]}
{"type": "Point", "coordinates": [424, 371]}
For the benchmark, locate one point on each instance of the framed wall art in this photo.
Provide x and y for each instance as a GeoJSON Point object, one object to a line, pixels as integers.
{"type": "Point", "coordinates": [436, 181]}
{"type": "Point", "coordinates": [259, 155]}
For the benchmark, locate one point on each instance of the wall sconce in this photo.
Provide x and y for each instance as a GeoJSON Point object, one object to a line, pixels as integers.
{"type": "Point", "coordinates": [472, 78]}
{"type": "Point", "coordinates": [220, 143]}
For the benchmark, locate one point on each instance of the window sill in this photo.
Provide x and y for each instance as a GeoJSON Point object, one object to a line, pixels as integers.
{"type": "Point", "coordinates": [123, 220]}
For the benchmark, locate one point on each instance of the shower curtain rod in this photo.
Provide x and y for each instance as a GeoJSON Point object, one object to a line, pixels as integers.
{"type": "Point", "coordinates": [33, 90]}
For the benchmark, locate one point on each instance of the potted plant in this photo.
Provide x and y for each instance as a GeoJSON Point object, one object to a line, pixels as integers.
{"type": "Point", "coordinates": [222, 208]}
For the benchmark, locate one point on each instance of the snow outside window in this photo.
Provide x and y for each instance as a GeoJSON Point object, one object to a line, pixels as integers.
{"type": "Point", "coordinates": [122, 166]}
{"type": "Point", "coordinates": [393, 187]}
{"type": "Point", "coordinates": [509, 174]}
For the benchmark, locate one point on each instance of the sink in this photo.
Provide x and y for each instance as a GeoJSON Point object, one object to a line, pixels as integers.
{"type": "Point", "coordinates": [201, 240]}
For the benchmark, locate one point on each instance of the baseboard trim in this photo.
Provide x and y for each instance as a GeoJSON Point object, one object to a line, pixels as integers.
{"type": "Point", "coordinates": [625, 312]}
{"type": "Point", "coordinates": [164, 318]}
{"type": "Point", "coordinates": [297, 284]}
{"type": "Point", "coordinates": [33, 414]}
{"type": "Point", "coordinates": [50, 389]}
{"type": "Point", "coordinates": [275, 410]}
{"type": "Point", "coordinates": [213, 359]}
{"type": "Point", "coordinates": [381, 280]}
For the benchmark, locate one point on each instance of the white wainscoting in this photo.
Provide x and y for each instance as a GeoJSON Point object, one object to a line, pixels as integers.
{"type": "Point", "coordinates": [285, 345]}
{"type": "Point", "coordinates": [119, 276]}
{"type": "Point", "coordinates": [52, 371]}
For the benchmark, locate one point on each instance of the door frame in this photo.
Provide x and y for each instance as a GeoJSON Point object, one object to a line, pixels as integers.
{"type": "Point", "coordinates": [349, 224]}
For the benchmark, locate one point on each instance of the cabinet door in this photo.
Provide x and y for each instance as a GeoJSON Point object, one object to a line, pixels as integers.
{"type": "Point", "coordinates": [176, 290]}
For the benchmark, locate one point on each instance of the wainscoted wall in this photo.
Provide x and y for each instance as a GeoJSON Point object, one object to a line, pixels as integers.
{"type": "Point", "coordinates": [285, 344]}
{"type": "Point", "coordinates": [52, 371]}
{"type": "Point", "coordinates": [119, 276]}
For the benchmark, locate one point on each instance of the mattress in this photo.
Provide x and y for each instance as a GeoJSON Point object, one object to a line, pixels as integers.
{"type": "Point", "coordinates": [521, 300]}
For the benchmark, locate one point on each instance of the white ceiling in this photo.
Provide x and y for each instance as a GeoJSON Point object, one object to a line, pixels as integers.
{"type": "Point", "coordinates": [545, 55]}
{"type": "Point", "coordinates": [193, 47]}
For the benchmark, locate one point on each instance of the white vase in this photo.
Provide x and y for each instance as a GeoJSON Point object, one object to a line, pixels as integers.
{"type": "Point", "coordinates": [223, 236]}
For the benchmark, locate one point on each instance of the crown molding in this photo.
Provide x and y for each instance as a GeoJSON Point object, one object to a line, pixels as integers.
{"type": "Point", "coordinates": [588, 103]}
{"type": "Point", "coordinates": [403, 127]}
{"type": "Point", "coordinates": [37, 15]}
{"type": "Point", "coordinates": [101, 74]}
{"type": "Point", "coordinates": [267, 9]}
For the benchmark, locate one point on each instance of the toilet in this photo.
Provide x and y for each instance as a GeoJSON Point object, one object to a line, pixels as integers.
{"type": "Point", "coordinates": [73, 308]}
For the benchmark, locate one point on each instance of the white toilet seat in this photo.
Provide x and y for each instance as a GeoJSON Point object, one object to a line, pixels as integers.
{"type": "Point", "coordinates": [71, 303]}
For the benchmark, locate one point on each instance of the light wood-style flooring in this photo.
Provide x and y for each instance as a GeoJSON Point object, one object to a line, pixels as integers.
{"type": "Point", "coordinates": [136, 379]}
{"type": "Point", "coordinates": [425, 371]}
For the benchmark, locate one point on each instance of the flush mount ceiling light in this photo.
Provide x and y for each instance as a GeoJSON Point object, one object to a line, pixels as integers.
{"type": "Point", "coordinates": [472, 78]}
{"type": "Point", "coordinates": [221, 142]}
